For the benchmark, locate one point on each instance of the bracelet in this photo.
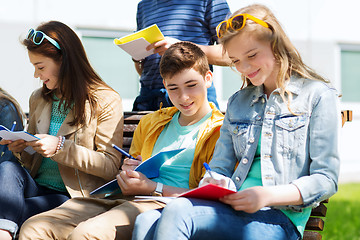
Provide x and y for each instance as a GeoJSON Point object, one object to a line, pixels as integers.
{"type": "Point", "coordinates": [60, 144]}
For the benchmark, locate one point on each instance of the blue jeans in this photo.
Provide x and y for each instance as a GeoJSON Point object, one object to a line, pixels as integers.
{"type": "Point", "coordinates": [21, 197]}
{"type": "Point", "coordinates": [200, 219]}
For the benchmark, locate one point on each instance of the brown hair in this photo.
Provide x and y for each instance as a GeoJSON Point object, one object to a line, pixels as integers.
{"type": "Point", "coordinates": [77, 79]}
{"type": "Point", "coordinates": [7, 96]}
{"type": "Point", "coordinates": [285, 53]}
{"type": "Point", "coordinates": [181, 56]}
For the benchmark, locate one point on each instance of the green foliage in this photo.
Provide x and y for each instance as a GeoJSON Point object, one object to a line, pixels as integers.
{"type": "Point", "coordinates": [343, 215]}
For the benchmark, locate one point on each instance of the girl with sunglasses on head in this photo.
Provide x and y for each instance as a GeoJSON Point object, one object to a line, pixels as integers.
{"type": "Point", "coordinates": [76, 116]}
{"type": "Point", "coordinates": [277, 147]}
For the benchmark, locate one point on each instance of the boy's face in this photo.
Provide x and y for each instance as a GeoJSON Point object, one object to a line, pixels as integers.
{"type": "Point", "coordinates": [188, 92]}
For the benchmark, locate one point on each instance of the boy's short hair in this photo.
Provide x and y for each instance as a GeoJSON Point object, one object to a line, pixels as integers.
{"type": "Point", "coordinates": [181, 56]}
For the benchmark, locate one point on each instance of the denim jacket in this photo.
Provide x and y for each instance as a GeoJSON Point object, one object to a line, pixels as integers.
{"type": "Point", "coordinates": [300, 148]}
{"type": "Point", "coordinates": [9, 114]}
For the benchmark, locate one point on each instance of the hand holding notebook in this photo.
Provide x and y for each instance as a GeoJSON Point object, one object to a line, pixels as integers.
{"type": "Point", "coordinates": [13, 136]}
{"type": "Point", "coordinates": [150, 168]}
{"type": "Point", "coordinates": [135, 44]}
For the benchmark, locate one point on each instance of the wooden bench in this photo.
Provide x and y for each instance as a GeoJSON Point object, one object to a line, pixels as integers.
{"type": "Point", "coordinates": [315, 223]}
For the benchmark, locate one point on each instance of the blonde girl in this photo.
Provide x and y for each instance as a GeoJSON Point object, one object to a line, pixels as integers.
{"type": "Point", "coordinates": [277, 148]}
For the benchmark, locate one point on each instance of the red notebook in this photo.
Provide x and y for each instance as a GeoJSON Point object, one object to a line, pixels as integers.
{"type": "Point", "coordinates": [207, 192]}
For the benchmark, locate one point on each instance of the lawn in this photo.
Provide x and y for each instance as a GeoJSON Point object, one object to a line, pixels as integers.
{"type": "Point", "coordinates": [343, 215]}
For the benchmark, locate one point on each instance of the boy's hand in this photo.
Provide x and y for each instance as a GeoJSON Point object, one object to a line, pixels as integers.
{"type": "Point", "coordinates": [14, 146]}
{"type": "Point", "coordinates": [131, 164]}
{"type": "Point", "coordinates": [135, 183]}
{"type": "Point", "coordinates": [249, 200]}
{"type": "Point", "coordinates": [161, 46]}
{"type": "Point", "coordinates": [46, 146]}
{"type": "Point", "coordinates": [221, 182]}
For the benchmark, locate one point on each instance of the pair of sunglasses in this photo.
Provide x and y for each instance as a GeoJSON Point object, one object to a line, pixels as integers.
{"type": "Point", "coordinates": [37, 37]}
{"type": "Point", "coordinates": [236, 23]}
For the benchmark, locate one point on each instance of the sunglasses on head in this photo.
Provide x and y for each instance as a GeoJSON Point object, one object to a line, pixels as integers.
{"type": "Point", "coordinates": [236, 23]}
{"type": "Point", "coordinates": [37, 37]}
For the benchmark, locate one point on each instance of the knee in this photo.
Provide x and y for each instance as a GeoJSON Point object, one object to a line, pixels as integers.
{"type": "Point", "coordinates": [10, 173]}
{"type": "Point", "coordinates": [78, 232]}
{"type": "Point", "coordinates": [181, 206]}
{"type": "Point", "coordinates": [35, 228]}
{"type": "Point", "coordinates": [86, 230]}
{"type": "Point", "coordinates": [147, 218]}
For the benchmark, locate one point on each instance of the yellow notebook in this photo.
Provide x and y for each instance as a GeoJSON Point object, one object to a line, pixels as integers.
{"type": "Point", "coordinates": [135, 44]}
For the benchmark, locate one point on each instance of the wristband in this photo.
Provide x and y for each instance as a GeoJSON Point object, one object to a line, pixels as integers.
{"type": "Point", "coordinates": [60, 144]}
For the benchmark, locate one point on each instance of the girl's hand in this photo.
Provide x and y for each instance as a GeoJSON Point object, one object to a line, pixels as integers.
{"type": "Point", "coordinates": [14, 146]}
{"type": "Point", "coordinates": [221, 182]}
{"type": "Point", "coordinates": [249, 200]}
{"type": "Point", "coordinates": [46, 146]}
{"type": "Point", "coordinates": [135, 183]}
{"type": "Point", "coordinates": [131, 164]}
{"type": "Point", "coordinates": [161, 46]}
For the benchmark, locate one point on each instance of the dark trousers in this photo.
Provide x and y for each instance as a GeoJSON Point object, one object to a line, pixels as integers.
{"type": "Point", "coordinates": [21, 197]}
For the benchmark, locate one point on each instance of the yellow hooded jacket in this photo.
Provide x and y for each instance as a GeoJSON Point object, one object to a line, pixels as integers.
{"type": "Point", "coordinates": [151, 125]}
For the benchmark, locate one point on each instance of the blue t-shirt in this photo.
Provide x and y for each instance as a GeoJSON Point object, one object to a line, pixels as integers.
{"type": "Point", "coordinates": [186, 20]}
{"type": "Point", "coordinates": [176, 170]}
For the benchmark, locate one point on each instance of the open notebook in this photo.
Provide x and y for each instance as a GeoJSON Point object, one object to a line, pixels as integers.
{"type": "Point", "coordinates": [16, 135]}
{"type": "Point", "coordinates": [150, 168]}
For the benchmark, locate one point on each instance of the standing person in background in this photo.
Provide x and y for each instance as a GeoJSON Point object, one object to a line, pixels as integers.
{"type": "Point", "coordinates": [278, 145]}
{"type": "Point", "coordinates": [10, 112]}
{"type": "Point", "coordinates": [77, 117]}
{"type": "Point", "coordinates": [188, 20]}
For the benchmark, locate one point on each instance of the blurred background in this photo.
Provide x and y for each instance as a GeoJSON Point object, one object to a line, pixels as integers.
{"type": "Point", "coordinates": [325, 32]}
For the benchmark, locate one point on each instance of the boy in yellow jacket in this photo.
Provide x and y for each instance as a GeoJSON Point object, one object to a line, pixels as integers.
{"type": "Point", "coordinates": [193, 123]}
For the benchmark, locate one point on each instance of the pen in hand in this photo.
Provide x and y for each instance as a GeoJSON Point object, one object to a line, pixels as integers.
{"type": "Point", "coordinates": [12, 129]}
{"type": "Point", "coordinates": [13, 126]}
{"type": "Point", "coordinates": [123, 152]}
{"type": "Point", "coordinates": [208, 169]}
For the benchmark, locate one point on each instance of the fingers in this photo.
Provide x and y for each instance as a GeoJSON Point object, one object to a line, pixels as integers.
{"type": "Point", "coordinates": [5, 142]}
{"type": "Point", "coordinates": [17, 146]}
{"type": "Point", "coordinates": [221, 182]}
{"type": "Point", "coordinates": [131, 164]}
{"type": "Point", "coordinates": [46, 146]}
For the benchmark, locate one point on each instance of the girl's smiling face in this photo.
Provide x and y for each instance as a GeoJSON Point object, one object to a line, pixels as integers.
{"type": "Point", "coordinates": [255, 60]}
{"type": "Point", "coordinates": [46, 69]}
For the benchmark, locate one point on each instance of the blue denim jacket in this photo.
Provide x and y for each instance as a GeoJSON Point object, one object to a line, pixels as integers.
{"type": "Point", "coordinates": [301, 149]}
{"type": "Point", "coordinates": [8, 114]}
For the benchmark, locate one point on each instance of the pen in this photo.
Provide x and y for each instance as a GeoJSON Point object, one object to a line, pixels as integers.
{"type": "Point", "coordinates": [208, 169]}
{"type": "Point", "coordinates": [13, 126]}
{"type": "Point", "coordinates": [3, 147]}
{"type": "Point", "coordinates": [122, 151]}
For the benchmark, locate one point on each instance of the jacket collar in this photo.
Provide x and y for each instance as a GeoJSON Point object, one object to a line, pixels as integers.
{"type": "Point", "coordinates": [294, 86]}
{"type": "Point", "coordinates": [43, 122]}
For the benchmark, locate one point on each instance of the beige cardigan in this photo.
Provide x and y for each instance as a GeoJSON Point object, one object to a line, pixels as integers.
{"type": "Point", "coordinates": [87, 159]}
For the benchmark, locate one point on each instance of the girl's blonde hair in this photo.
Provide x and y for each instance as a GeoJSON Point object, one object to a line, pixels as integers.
{"type": "Point", "coordinates": [7, 96]}
{"type": "Point", "coordinates": [288, 58]}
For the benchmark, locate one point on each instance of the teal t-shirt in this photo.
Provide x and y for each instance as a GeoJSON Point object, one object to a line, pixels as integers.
{"type": "Point", "coordinates": [175, 171]}
{"type": "Point", "coordinates": [253, 178]}
{"type": "Point", "coordinates": [48, 174]}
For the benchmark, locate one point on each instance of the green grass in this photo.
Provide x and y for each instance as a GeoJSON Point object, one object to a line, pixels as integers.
{"type": "Point", "coordinates": [343, 215]}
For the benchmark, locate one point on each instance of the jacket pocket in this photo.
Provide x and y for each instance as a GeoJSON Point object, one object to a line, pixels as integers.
{"type": "Point", "coordinates": [239, 133]}
{"type": "Point", "coordinates": [291, 131]}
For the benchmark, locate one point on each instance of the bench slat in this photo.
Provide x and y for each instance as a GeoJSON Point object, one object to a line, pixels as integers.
{"type": "Point", "coordinates": [312, 236]}
{"type": "Point", "coordinates": [315, 223]}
